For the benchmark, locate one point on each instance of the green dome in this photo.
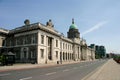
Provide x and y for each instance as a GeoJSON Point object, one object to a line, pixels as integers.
{"type": "Point", "coordinates": [73, 26]}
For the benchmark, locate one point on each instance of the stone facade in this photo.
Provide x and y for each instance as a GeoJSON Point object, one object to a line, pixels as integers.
{"type": "Point", "coordinates": [43, 44]}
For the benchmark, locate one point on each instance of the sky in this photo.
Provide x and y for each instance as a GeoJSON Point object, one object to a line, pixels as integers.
{"type": "Point", "coordinates": [97, 20]}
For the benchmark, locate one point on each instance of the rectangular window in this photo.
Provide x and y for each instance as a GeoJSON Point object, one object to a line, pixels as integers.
{"type": "Point", "coordinates": [10, 43]}
{"type": "Point", "coordinates": [16, 42]}
{"type": "Point", "coordinates": [33, 38]}
{"type": "Point", "coordinates": [23, 41]}
{"type": "Point", "coordinates": [63, 45]}
{"type": "Point", "coordinates": [70, 47]}
{"type": "Point", "coordinates": [42, 39]}
{"type": "Point", "coordinates": [66, 45]}
{"type": "Point", "coordinates": [56, 54]}
{"type": "Point", "coordinates": [49, 41]}
{"type": "Point", "coordinates": [56, 43]}
{"type": "Point", "coordinates": [33, 54]}
{"type": "Point", "coordinates": [42, 53]}
{"type": "Point", "coordinates": [4, 42]}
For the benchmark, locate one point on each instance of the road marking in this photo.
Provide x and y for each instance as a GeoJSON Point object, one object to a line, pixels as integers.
{"type": "Point", "coordinates": [25, 78]}
{"type": "Point", "coordinates": [50, 73]}
{"type": "Point", "coordinates": [75, 68]}
{"type": "Point", "coordinates": [81, 66]}
{"type": "Point", "coordinates": [57, 67]}
{"type": "Point", "coordinates": [86, 65]}
{"type": "Point", "coordinates": [5, 74]}
{"type": "Point", "coordinates": [65, 70]}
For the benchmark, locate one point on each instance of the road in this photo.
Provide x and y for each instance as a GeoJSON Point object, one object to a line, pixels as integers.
{"type": "Point", "coordinates": [75, 71]}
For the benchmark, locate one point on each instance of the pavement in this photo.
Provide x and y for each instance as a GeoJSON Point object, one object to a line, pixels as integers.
{"type": "Point", "coordinates": [29, 66]}
{"type": "Point", "coordinates": [109, 71]}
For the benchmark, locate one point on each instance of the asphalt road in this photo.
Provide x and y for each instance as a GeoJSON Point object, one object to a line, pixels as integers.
{"type": "Point", "coordinates": [75, 71]}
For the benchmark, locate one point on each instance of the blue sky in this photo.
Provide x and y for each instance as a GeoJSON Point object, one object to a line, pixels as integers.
{"type": "Point", "coordinates": [97, 20]}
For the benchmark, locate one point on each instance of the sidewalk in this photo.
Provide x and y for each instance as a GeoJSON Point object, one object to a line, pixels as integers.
{"type": "Point", "coordinates": [29, 66]}
{"type": "Point", "coordinates": [109, 71]}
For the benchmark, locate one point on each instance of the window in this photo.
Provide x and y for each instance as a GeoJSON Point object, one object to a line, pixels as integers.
{"type": "Point", "coordinates": [23, 41]}
{"type": "Point", "coordinates": [56, 54]}
{"type": "Point", "coordinates": [66, 45]}
{"type": "Point", "coordinates": [16, 42]}
{"type": "Point", "coordinates": [33, 54]}
{"type": "Point", "coordinates": [42, 53]}
{"type": "Point", "coordinates": [4, 42]}
{"type": "Point", "coordinates": [33, 39]}
{"type": "Point", "coordinates": [42, 39]}
{"type": "Point", "coordinates": [26, 40]}
{"type": "Point", "coordinates": [63, 45]}
{"type": "Point", "coordinates": [10, 43]}
{"type": "Point", "coordinates": [48, 41]}
{"type": "Point", "coordinates": [56, 43]}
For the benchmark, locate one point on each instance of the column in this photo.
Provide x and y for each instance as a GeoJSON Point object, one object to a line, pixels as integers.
{"type": "Point", "coordinates": [52, 51]}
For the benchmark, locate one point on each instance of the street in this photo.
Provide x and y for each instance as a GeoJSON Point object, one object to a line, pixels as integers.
{"type": "Point", "coordinates": [75, 71]}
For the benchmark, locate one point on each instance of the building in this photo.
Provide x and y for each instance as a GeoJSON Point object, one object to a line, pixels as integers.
{"type": "Point", "coordinates": [3, 34]}
{"type": "Point", "coordinates": [100, 51]}
{"type": "Point", "coordinates": [43, 44]}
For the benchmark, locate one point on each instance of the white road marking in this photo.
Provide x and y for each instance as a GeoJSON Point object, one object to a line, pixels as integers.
{"type": "Point", "coordinates": [75, 68]}
{"type": "Point", "coordinates": [60, 66]}
{"type": "Point", "coordinates": [5, 74]}
{"type": "Point", "coordinates": [50, 73]}
{"type": "Point", "coordinates": [65, 70]}
{"type": "Point", "coordinates": [57, 67]}
{"type": "Point", "coordinates": [25, 78]}
{"type": "Point", "coordinates": [86, 65]}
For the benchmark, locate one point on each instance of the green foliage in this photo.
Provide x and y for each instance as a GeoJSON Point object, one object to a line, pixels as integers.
{"type": "Point", "coordinates": [97, 56]}
{"type": "Point", "coordinates": [2, 58]}
{"type": "Point", "coordinates": [117, 57]}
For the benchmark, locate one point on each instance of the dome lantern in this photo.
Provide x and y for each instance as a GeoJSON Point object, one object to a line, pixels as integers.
{"type": "Point", "coordinates": [73, 26]}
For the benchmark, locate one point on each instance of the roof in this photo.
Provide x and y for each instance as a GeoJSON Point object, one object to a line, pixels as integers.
{"type": "Point", "coordinates": [73, 26]}
{"type": "Point", "coordinates": [34, 26]}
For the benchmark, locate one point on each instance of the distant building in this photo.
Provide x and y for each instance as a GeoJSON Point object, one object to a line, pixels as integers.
{"type": "Point", "coordinates": [100, 51]}
{"type": "Point", "coordinates": [43, 44]}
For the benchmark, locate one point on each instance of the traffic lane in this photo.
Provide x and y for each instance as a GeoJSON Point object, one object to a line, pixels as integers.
{"type": "Point", "coordinates": [49, 68]}
{"type": "Point", "coordinates": [75, 73]}
{"type": "Point", "coordinates": [10, 75]}
{"type": "Point", "coordinates": [28, 73]}
{"type": "Point", "coordinates": [37, 72]}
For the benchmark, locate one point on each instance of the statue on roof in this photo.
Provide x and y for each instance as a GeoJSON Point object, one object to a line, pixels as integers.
{"type": "Point", "coordinates": [27, 22]}
{"type": "Point", "coordinates": [49, 23]}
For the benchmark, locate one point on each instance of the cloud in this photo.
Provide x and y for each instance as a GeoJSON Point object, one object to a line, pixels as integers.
{"type": "Point", "coordinates": [97, 26]}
